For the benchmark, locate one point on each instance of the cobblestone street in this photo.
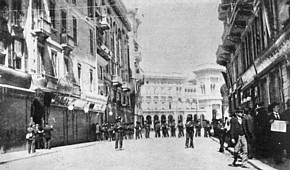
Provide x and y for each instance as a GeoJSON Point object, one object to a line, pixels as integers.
{"type": "Point", "coordinates": [162, 153]}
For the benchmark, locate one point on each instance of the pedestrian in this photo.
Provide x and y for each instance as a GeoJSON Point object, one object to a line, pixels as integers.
{"type": "Point", "coordinates": [222, 134]}
{"type": "Point", "coordinates": [119, 130]}
{"type": "Point", "coordinates": [262, 130]}
{"type": "Point", "coordinates": [286, 116]}
{"type": "Point", "coordinates": [189, 127]}
{"type": "Point", "coordinates": [157, 129]}
{"type": "Point", "coordinates": [137, 130]}
{"type": "Point", "coordinates": [249, 129]}
{"type": "Point", "coordinates": [147, 129]}
{"type": "Point", "coordinates": [111, 129]}
{"type": "Point", "coordinates": [180, 128]}
{"type": "Point", "coordinates": [277, 137]}
{"type": "Point", "coordinates": [172, 128]}
{"type": "Point", "coordinates": [38, 137]}
{"type": "Point", "coordinates": [30, 137]}
{"type": "Point", "coordinates": [239, 139]}
{"type": "Point", "coordinates": [98, 132]}
{"type": "Point", "coordinates": [47, 136]}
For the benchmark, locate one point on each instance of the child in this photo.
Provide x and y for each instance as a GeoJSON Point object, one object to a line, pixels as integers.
{"type": "Point", "coordinates": [30, 137]}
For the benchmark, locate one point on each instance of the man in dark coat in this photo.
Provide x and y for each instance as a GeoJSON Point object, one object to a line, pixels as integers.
{"type": "Point", "coordinates": [189, 127]}
{"type": "Point", "coordinates": [277, 137]}
{"type": "Point", "coordinates": [119, 130]}
{"type": "Point", "coordinates": [248, 124]}
{"type": "Point", "coordinates": [286, 116]}
{"type": "Point", "coordinates": [237, 132]}
{"type": "Point", "coordinates": [47, 136]}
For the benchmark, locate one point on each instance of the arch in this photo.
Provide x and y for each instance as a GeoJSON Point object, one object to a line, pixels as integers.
{"type": "Point", "coordinates": [163, 118]}
{"type": "Point", "coordinates": [170, 118]}
{"type": "Point", "coordinates": [149, 119]}
{"type": "Point", "coordinates": [180, 118]}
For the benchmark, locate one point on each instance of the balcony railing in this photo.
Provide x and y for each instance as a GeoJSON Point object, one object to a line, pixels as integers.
{"type": "Point", "coordinates": [224, 10]}
{"type": "Point", "coordinates": [117, 80]}
{"type": "Point", "coordinates": [66, 42]}
{"type": "Point", "coordinates": [105, 52]}
{"type": "Point", "coordinates": [42, 27]}
{"type": "Point", "coordinates": [104, 24]}
{"type": "Point", "coordinates": [126, 86]}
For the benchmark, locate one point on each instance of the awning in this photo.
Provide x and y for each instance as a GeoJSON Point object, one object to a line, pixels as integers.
{"type": "Point", "coordinates": [17, 88]}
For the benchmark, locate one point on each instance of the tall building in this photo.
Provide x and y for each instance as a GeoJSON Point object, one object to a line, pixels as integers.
{"type": "Point", "coordinates": [209, 81]}
{"type": "Point", "coordinates": [65, 63]}
{"type": "Point", "coordinates": [254, 50]}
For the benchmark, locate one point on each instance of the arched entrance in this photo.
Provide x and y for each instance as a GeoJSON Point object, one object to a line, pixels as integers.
{"type": "Point", "coordinates": [163, 119]}
{"type": "Point", "coordinates": [149, 119]}
{"type": "Point", "coordinates": [142, 120]}
{"type": "Point", "coordinates": [155, 118]}
{"type": "Point", "coordinates": [170, 118]}
{"type": "Point", "coordinates": [180, 118]}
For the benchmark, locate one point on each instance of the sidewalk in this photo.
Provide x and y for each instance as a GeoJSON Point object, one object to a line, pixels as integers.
{"type": "Point", "coordinates": [20, 155]}
{"type": "Point", "coordinates": [254, 162]}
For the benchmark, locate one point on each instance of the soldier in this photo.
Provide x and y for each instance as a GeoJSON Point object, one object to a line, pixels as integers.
{"type": "Point", "coordinates": [157, 129]}
{"type": "Point", "coordinates": [119, 130]}
{"type": "Point", "coordinates": [180, 129]}
{"type": "Point", "coordinates": [172, 128]}
{"type": "Point", "coordinates": [189, 127]}
{"type": "Point", "coordinates": [111, 130]}
{"type": "Point", "coordinates": [147, 129]}
{"type": "Point", "coordinates": [137, 130]}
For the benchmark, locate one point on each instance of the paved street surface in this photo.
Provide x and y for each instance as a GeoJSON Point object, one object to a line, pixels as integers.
{"type": "Point", "coordinates": [162, 153]}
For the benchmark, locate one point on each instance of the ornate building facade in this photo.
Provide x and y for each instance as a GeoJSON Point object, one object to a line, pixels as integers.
{"type": "Point", "coordinates": [173, 96]}
{"type": "Point", "coordinates": [66, 63]}
{"type": "Point", "coordinates": [255, 51]}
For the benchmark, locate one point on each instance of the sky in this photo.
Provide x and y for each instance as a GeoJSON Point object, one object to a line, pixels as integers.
{"type": "Point", "coordinates": [177, 35]}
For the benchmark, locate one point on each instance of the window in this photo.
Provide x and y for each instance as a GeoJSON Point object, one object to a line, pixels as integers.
{"type": "Point", "coordinates": [100, 73]}
{"type": "Point", "coordinates": [54, 61]}
{"type": "Point", "coordinates": [52, 13]}
{"type": "Point", "coordinates": [79, 72]}
{"type": "Point", "coordinates": [90, 8]}
{"type": "Point", "coordinates": [91, 42]}
{"type": "Point", "coordinates": [16, 12]}
{"type": "Point", "coordinates": [63, 21]}
{"type": "Point", "coordinates": [75, 30]}
{"type": "Point", "coordinates": [91, 80]}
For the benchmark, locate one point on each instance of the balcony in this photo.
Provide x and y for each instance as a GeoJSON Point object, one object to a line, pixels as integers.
{"type": "Point", "coordinates": [105, 52]}
{"type": "Point", "coordinates": [117, 80]}
{"type": "Point", "coordinates": [42, 28]}
{"type": "Point", "coordinates": [223, 56]}
{"type": "Point", "coordinates": [66, 42]}
{"type": "Point", "coordinates": [138, 57]}
{"type": "Point", "coordinates": [104, 24]}
{"type": "Point", "coordinates": [126, 86]}
{"type": "Point", "coordinates": [224, 10]}
{"type": "Point", "coordinates": [15, 78]}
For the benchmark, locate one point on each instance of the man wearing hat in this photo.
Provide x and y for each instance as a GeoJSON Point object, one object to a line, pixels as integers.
{"type": "Point", "coordinates": [189, 127]}
{"type": "Point", "coordinates": [119, 130]}
{"type": "Point", "coordinates": [239, 138]}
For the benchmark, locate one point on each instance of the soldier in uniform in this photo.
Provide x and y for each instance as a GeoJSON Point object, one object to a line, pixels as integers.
{"type": "Point", "coordinates": [147, 129]}
{"type": "Point", "coordinates": [137, 130]}
{"type": "Point", "coordinates": [180, 129]}
{"type": "Point", "coordinates": [189, 127]}
{"type": "Point", "coordinates": [119, 130]}
{"type": "Point", "coordinates": [157, 129]}
{"type": "Point", "coordinates": [172, 128]}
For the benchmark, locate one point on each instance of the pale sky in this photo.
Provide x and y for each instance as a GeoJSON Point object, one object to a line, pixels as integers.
{"type": "Point", "coordinates": [177, 35]}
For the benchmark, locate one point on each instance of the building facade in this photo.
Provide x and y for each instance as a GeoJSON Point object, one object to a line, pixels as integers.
{"type": "Point", "coordinates": [255, 50]}
{"type": "Point", "coordinates": [209, 82]}
{"type": "Point", "coordinates": [65, 63]}
{"type": "Point", "coordinates": [173, 96]}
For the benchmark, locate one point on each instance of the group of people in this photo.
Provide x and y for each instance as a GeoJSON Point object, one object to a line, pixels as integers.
{"type": "Point", "coordinates": [38, 136]}
{"type": "Point", "coordinates": [250, 131]}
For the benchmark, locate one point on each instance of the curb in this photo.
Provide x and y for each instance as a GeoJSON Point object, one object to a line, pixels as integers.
{"type": "Point", "coordinates": [21, 155]}
{"type": "Point", "coordinates": [254, 162]}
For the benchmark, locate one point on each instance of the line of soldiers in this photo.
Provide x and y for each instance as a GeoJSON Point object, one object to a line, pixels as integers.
{"type": "Point", "coordinates": [166, 127]}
